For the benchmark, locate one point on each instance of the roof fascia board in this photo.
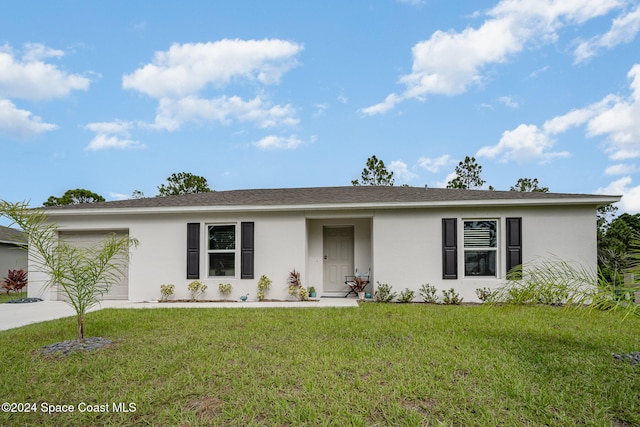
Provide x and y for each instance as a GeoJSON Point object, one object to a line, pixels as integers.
{"type": "Point", "coordinates": [339, 206]}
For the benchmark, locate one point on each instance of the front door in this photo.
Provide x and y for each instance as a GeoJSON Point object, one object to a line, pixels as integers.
{"type": "Point", "coordinates": [338, 258]}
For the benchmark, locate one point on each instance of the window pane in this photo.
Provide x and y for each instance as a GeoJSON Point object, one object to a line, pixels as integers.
{"type": "Point", "coordinates": [480, 263]}
{"type": "Point", "coordinates": [222, 264]}
{"type": "Point", "coordinates": [480, 234]}
{"type": "Point", "coordinates": [222, 237]}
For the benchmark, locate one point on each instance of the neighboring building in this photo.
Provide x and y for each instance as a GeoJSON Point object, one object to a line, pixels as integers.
{"type": "Point", "coordinates": [12, 253]}
{"type": "Point", "coordinates": [405, 236]}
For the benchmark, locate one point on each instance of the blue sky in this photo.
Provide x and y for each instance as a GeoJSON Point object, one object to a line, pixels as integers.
{"type": "Point", "coordinates": [116, 96]}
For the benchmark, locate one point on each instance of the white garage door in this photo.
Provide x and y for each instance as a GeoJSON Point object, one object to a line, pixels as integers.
{"type": "Point", "coordinates": [118, 291]}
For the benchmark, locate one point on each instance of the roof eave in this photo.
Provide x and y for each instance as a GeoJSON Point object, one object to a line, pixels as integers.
{"type": "Point", "coordinates": [339, 206]}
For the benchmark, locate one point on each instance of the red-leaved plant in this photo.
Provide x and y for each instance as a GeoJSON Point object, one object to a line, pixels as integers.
{"type": "Point", "coordinates": [15, 281]}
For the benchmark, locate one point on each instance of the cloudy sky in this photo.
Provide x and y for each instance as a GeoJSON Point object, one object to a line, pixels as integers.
{"type": "Point", "coordinates": [116, 96]}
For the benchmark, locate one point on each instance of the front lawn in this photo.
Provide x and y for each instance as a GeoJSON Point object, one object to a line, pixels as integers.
{"type": "Point", "coordinates": [380, 364]}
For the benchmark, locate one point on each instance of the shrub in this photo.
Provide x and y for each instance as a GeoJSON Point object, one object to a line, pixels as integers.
{"type": "Point", "coordinates": [225, 289]}
{"type": "Point", "coordinates": [15, 281]}
{"type": "Point", "coordinates": [428, 293]}
{"type": "Point", "coordinates": [484, 294]}
{"type": "Point", "coordinates": [264, 284]}
{"type": "Point", "coordinates": [383, 292]}
{"type": "Point", "coordinates": [451, 297]}
{"type": "Point", "coordinates": [550, 282]}
{"type": "Point", "coordinates": [406, 296]}
{"type": "Point", "coordinates": [196, 289]}
{"type": "Point", "coordinates": [295, 286]}
{"type": "Point", "coordinates": [166, 291]}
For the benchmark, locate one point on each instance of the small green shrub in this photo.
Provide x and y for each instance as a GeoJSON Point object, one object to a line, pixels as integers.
{"type": "Point", "coordinates": [484, 294]}
{"type": "Point", "coordinates": [451, 297]}
{"type": "Point", "coordinates": [383, 292]}
{"type": "Point", "coordinates": [225, 289]}
{"type": "Point", "coordinates": [428, 293]}
{"type": "Point", "coordinates": [166, 291]}
{"type": "Point", "coordinates": [196, 289]}
{"type": "Point", "coordinates": [264, 284]}
{"type": "Point", "coordinates": [406, 296]}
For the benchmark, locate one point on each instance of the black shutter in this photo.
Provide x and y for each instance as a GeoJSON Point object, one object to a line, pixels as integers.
{"type": "Point", "coordinates": [514, 242]}
{"type": "Point", "coordinates": [449, 248]}
{"type": "Point", "coordinates": [193, 250]}
{"type": "Point", "coordinates": [246, 250]}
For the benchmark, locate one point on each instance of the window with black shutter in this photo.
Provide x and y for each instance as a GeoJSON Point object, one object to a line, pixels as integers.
{"type": "Point", "coordinates": [514, 242]}
{"type": "Point", "coordinates": [246, 250]}
{"type": "Point", "coordinates": [193, 250]}
{"type": "Point", "coordinates": [449, 248]}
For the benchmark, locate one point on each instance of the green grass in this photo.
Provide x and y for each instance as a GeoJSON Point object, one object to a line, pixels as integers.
{"type": "Point", "coordinates": [4, 297]}
{"type": "Point", "coordinates": [380, 364]}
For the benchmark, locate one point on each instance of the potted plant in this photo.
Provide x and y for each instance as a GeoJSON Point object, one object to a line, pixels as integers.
{"type": "Point", "coordinates": [295, 286]}
{"type": "Point", "coordinates": [360, 284]}
{"type": "Point", "coordinates": [312, 292]}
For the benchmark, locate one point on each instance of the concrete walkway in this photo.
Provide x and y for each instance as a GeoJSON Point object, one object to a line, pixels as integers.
{"type": "Point", "coordinates": [16, 315]}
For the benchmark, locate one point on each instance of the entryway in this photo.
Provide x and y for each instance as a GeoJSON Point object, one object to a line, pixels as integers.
{"type": "Point", "coordinates": [338, 259]}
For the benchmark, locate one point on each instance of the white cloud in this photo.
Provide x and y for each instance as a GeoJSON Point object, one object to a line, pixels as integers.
{"type": "Point", "coordinates": [21, 123]}
{"type": "Point", "coordinates": [621, 169]}
{"type": "Point", "coordinates": [623, 30]}
{"type": "Point", "coordinates": [630, 202]}
{"type": "Point", "coordinates": [448, 63]}
{"type": "Point", "coordinates": [451, 176]}
{"type": "Point", "coordinates": [186, 69]}
{"type": "Point", "coordinates": [620, 122]}
{"type": "Point", "coordinates": [31, 78]}
{"type": "Point", "coordinates": [615, 117]}
{"type": "Point", "coordinates": [172, 113]}
{"type": "Point", "coordinates": [112, 135]}
{"type": "Point", "coordinates": [524, 144]}
{"type": "Point", "coordinates": [388, 104]}
{"type": "Point", "coordinates": [273, 142]}
{"type": "Point", "coordinates": [119, 196]}
{"type": "Point", "coordinates": [401, 170]}
{"type": "Point", "coordinates": [508, 101]}
{"type": "Point", "coordinates": [177, 77]}
{"type": "Point", "coordinates": [320, 109]}
{"type": "Point", "coordinates": [434, 165]}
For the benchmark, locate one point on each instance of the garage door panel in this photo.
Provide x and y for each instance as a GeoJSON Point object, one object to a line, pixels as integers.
{"type": "Point", "coordinates": [85, 239]}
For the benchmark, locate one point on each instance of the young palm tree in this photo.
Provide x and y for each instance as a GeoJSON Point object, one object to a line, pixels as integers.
{"type": "Point", "coordinates": [83, 275]}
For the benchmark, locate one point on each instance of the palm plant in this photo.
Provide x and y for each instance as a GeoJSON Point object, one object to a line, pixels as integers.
{"type": "Point", "coordinates": [82, 275]}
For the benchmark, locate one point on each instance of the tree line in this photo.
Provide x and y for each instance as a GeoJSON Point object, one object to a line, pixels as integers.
{"type": "Point", "coordinates": [467, 177]}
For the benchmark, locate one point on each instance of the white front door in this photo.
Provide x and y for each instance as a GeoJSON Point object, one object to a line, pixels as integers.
{"type": "Point", "coordinates": [338, 258]}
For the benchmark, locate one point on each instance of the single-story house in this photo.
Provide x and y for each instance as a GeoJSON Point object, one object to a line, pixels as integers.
{"type": "Point", "coordinates": [12, 254]}
{"type": "Point", "coordinates": [402, 236]}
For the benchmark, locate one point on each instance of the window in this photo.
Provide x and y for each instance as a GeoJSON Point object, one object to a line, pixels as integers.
{"type": "Point", "coordinates": [480, 242]}
{"type": "Point", "coordinates": [222, 250]}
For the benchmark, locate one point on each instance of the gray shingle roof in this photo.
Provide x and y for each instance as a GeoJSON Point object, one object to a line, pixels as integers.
{"type": "Point", "coordinates": [11, 235]}
{"type": "Point", "coordinates": [366, 195]}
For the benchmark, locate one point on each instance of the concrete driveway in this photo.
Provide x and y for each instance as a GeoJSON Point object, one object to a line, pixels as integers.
{"type": "Point", "coordinates": [16, 315]}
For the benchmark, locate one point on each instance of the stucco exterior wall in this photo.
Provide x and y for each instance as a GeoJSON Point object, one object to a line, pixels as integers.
{"type": "Point", "coordinates": [403, 247]}
{"type": "Point", "coordinates": [408, 244]}
{"type": "Point", "coordinates": [11, 258]}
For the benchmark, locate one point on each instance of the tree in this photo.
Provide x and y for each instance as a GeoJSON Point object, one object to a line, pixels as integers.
{"type": "Point", "coordinates": [467, 175]}
{"type": "Point", "coordinates": [137, 194]}
{"type": "Point", "coordinates": [83, 275]}
{"type": "Point", "coordinates": [74, 197]}
{"type": "Point", "coordinates": [183, 183]}
{"type": "Point", "coordinates": [529, 185]}
{"type": "Point", "coordinates": [375, 173]}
